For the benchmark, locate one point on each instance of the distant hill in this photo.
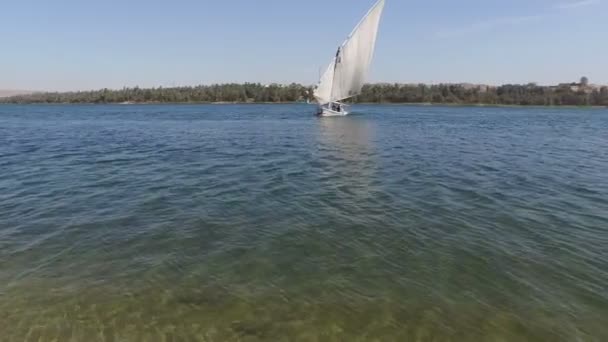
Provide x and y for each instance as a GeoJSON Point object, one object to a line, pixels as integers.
{"type": "Point", "coordinates": [8, 92]}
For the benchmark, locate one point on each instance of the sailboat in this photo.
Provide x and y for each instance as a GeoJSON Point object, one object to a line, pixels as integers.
{"type": "Point", "coordinates": [347, 72]}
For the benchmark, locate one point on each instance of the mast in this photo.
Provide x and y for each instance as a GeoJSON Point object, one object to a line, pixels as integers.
{"type": "Point", "coordinates": [352, 61]}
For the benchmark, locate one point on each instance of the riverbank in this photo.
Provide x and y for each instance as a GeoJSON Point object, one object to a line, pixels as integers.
{"type": "Point", "coordinates": [421, 104]}
{"type": "Point", "coordinates": [445, 94]}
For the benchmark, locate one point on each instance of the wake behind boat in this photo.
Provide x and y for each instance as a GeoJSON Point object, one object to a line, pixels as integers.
{"type": "Point", "coordinates": [347, 72]}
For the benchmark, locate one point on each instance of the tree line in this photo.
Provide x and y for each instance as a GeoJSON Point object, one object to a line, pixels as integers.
{"type": "Point", "coordinates": [573, 94]}
{"type": "Point", "coordinates": [531, 94]}
{"type": "Point", "coordinates": [248, 92]}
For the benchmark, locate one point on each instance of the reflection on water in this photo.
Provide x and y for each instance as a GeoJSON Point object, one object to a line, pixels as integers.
{"type": "Point", "coordinates": [346, 146]}
{"type": "Point", "coordinates": [351, 136]}
{"type": "Point", "coordinates": [260, 223]}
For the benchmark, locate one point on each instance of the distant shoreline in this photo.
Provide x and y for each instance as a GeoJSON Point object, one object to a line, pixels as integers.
{"type": "Point", "coordinates": [413, 104]}
{"type": "Point", "coordinates": [423, 104]}
{"type": "Point", "coordinates": [567, 94]}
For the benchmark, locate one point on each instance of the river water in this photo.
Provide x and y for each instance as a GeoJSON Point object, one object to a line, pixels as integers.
{"type": "Point", "coordinates": [265, 223]}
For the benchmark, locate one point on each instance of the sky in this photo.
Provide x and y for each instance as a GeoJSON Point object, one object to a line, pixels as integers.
{"type": "Point", "coordinates": [82, 44]}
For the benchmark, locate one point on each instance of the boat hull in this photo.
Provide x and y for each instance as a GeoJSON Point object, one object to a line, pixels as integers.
{"type": "Point", "coordinates": [327, 111]}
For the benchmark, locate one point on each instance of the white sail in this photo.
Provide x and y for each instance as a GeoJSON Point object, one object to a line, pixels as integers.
{"type": "Point", "coordinates": [355, 55]}
{"type": "Point", "coordinates": [323, 91]}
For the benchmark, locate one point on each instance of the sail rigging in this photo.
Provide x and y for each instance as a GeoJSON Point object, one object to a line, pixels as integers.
{"type": "Point", "coordinates": [348, 71]}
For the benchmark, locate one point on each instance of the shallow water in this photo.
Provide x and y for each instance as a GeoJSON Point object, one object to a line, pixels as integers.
{"type": "Point", "coordinates": [264, 223]}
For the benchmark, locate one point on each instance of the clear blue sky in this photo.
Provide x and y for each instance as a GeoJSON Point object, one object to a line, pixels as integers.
{"type": "Point", "coordinates": [80, 44]}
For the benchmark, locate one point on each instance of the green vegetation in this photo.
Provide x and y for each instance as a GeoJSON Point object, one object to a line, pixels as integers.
{"type": "Point", "coordinates": [248, 92]}
{"type": "Point", "coordinates": [572, 94]}
{"type": "Point", "coordinates": [527, 95]}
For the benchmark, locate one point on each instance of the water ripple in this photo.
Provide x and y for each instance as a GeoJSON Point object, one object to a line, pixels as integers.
{"type": "Point", "coordinates": [229, 223]}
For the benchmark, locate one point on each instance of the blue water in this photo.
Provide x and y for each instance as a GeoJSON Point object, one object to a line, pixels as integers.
{"type": "Point", "coordinates": [265, 223]}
